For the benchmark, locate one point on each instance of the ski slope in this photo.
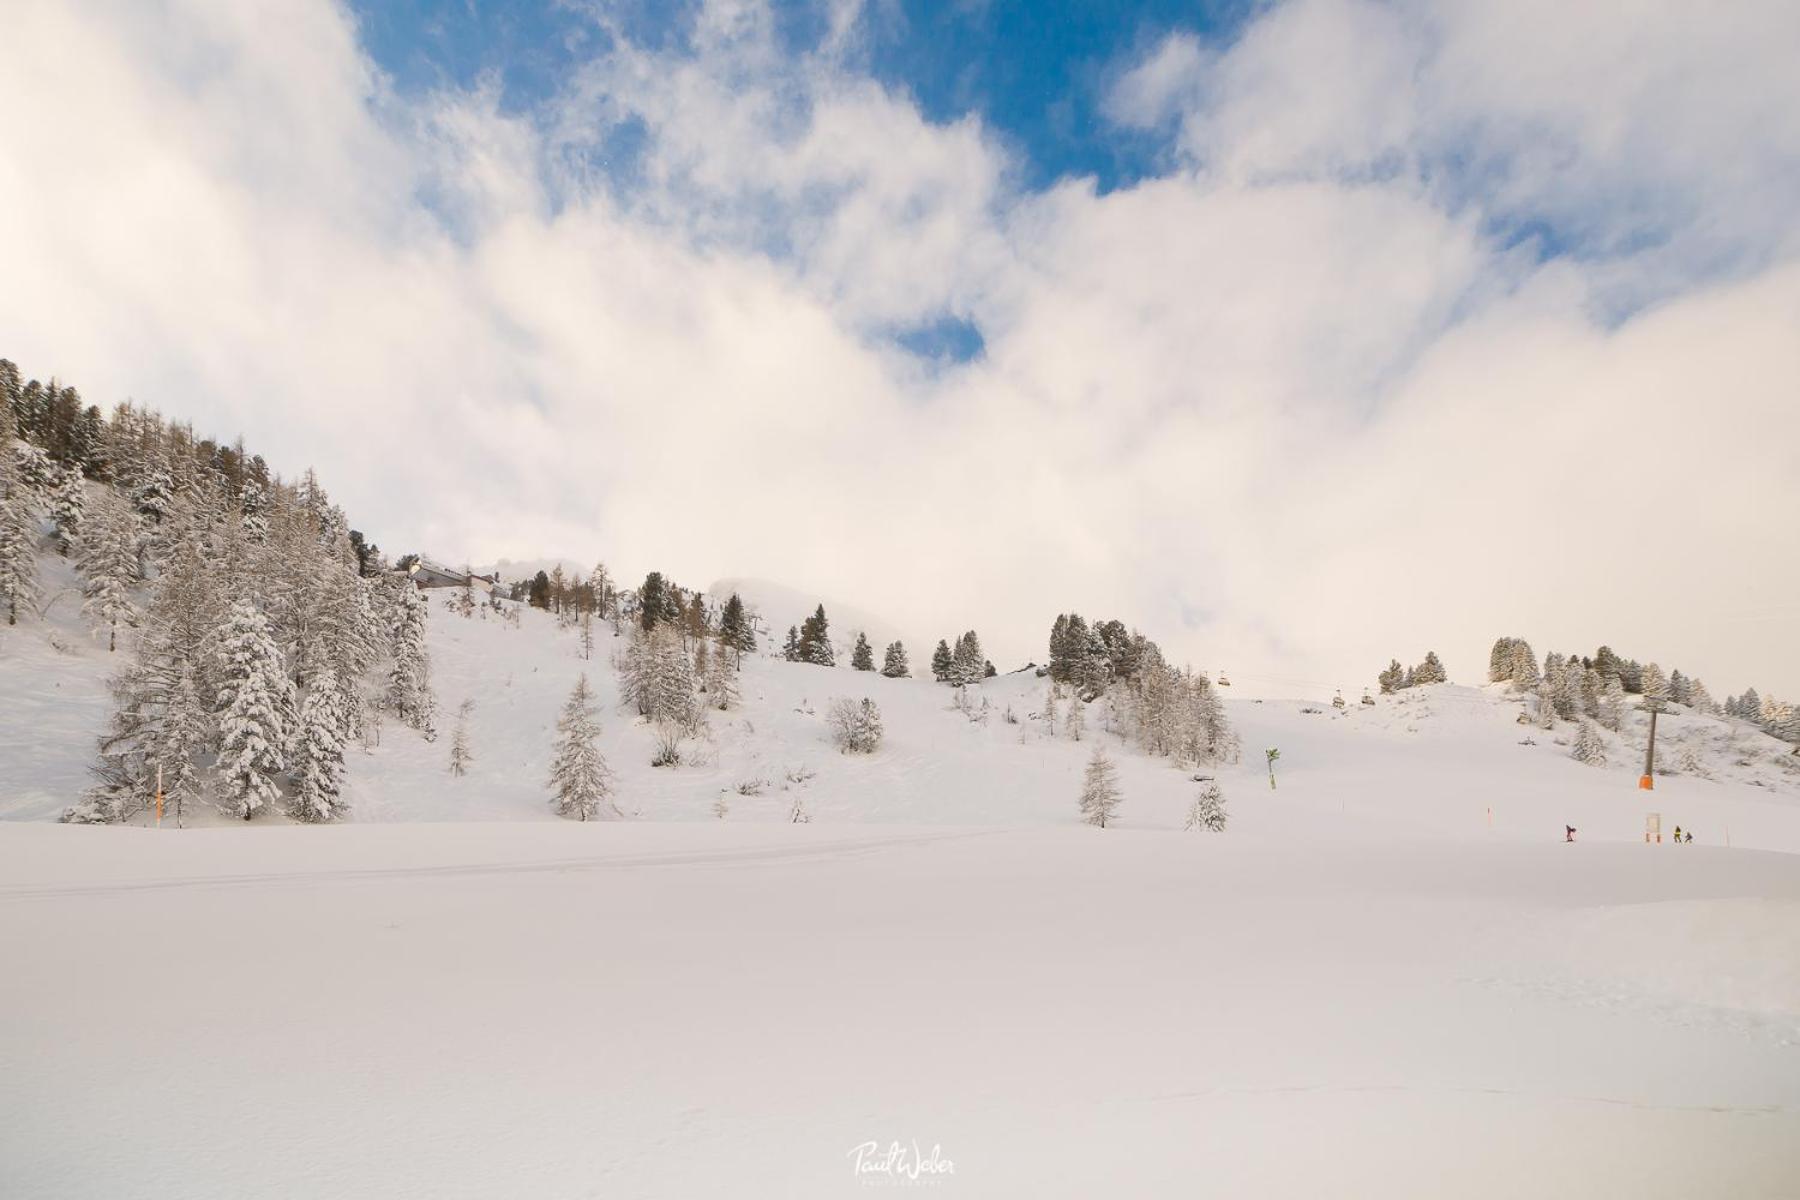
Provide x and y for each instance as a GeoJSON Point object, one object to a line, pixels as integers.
{"type": "Point", "coordinates": [1390, 977]}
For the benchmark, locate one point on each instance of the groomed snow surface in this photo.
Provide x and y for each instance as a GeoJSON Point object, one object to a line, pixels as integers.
{"type": "Point", "coordinates": [1389, 977]}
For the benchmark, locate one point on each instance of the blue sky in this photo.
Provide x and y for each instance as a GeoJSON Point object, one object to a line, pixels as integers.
{"type": "Point", "coordinates": [1035, 73]}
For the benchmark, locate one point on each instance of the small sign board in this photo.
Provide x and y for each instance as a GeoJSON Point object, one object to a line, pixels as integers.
{"type": "Point", "coordinates": [1653, 827]}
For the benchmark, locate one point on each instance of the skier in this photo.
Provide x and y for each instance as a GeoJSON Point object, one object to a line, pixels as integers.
{"type": "Point", "coordinates": [1678, 835]}
{"type": "Point", "coordinates": [1690, 836]}
{"type": "Point", "coordinates": [1568, 833]}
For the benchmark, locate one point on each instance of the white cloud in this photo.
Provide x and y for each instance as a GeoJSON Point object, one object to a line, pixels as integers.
{"type": "Point", "coordinates": [1293, 407]}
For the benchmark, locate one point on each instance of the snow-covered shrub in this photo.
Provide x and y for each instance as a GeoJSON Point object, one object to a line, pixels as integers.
{"type": "Point", "coordinates": [855, 726]}
{"type": "Point", "coordinates": [1208, 809]}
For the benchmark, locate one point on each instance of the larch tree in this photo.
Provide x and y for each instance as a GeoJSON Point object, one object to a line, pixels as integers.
{"type": "Point", "coordinates": [1075, 724]}
{"type": "Point", "coordinates": [1099, 789]}
{"type": "Point", "coordinates": [110, 567]}
{"type": "Point", "coordinates": [409, 680]}
{"type": "Point", "coordinates": [460, 755]}
{"type": "Point", "coordinates": [580, 783]}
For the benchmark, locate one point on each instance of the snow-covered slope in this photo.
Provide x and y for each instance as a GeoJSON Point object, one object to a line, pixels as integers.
{"type": "Point", "coordinates": [1389, 977]}
{"type": "Point", "coordinates": [1438, 760]}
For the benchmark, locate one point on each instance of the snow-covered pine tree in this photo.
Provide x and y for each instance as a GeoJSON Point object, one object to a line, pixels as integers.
{"type": "Point", "coordinates": [1524, 674]}
{"type": "Point", "coordinates": [1699, 699]}
{"type": "Point", "coordinates": [967, 660]}
{"type": "Point", "coordinates": [255, 721]}
{"type": "Point", "coordinates": [319, 751]}
{"type": "Point", "coordinates": [1567, 694]}
{"type": "Point", "coordinates": [942, 662]}
{"type": "Point", "coordinates": [1393, 678]}
{"type": "Point", "coordinates": [1500, 660]}
{"type": "Point", "coordinates": [815, 640]}
{"type": "Point", "coordinates": [893, 662]}
{"type": "Point", "coordinates": [580, 783]}
{"type": "Point", "coordinates": [1546, 704]}
{"type": "Point", "coordinates": [1680, 687]}
{"type": "Point", "coordinates": [862, 658]}
{"type": "Point", "coordinates": [1612, 704]}
{"type": "Point", "coordinates": [791, 649]}
{"type": "Point", "coordinates": [68, 504]}
{"type": "Point", "coordinates": [19, 505]}
{"type": "Point", "coordinates": [1590, 745]}
{"type": "Point", "coordinates": [409, 682]}
{"type": "Point", "coordinates": [1099, 789]}
{"type": "Point", "coordinates": [1656, 686]}
{"type": "Point", "coordinates": [253, 503]}
{"type": "Point", "coordinates": [1050, 714]}
{"type": "Point", "coordinates": [1208, 810]}
{"type": "Point", "coordinates": [734, 628]}
{"type": "Point", "coordinates": [460, 755]}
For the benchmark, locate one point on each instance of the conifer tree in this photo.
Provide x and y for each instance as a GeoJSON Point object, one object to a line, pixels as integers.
{"type": "Point", "coordinates": [654, 601]}
{"type": "Point", "coordinates": [460, 755]}
{"type": "Point", "coordinates": [178, 737]}
{"type": "Point", "coordinates": [409, 681]}
{"type": "Point", "coordinates": [68, 504]}
{"type": "Point", "coordinates": [1075, 724]}
{"type": "Point", "coordinates": [791, 650]}
{"type": "Point", "coordinates": [1656, 686]}
{"type": "Point", "coordinates": [1099, 789]}
{"type": "Point", "coordinates": [966, 661]}
{"type": "Point", "coordinates": [1392, 679]}
{"type": "Point", "coordinates": [1612, 704]}
{"type": "Point", "coordinates": [318, 794]}
{"type": "Point", "coordinates": [1524, 674]}
{"type": "Point", "coordinates": [941, 662]}
{"type": "Point", "coordinates": [1208, 810]}
{"type": "Point", "coordinates": [893, 663]}
{"type": "Point", "coordinates": [1590, 746]}
{"type": "Point", "coordinates": [1699, 699]}
{"type": "Point", "coordinates": [255, 719]}
{"type": "Point", "coordinates": [18, 541]}
{"type": "Point", "coordinates": [815, 640]}
{"type": "Point", "coordinates": [862, 658]}
{"type": "Point", "coordinates": [734, 628]}
{"type": "Point", "coordinates": [721, 682]}
{"type": "Point", "coordinates": [1546, 704]}
{"type": "Point", "coordinates": [1050, 714]}
{"type": "Point", "coordinates": [580, 783]}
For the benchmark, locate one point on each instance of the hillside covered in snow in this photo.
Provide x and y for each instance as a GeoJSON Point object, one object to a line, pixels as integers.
{"type": "Point", "coordinates": [839, 896]}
